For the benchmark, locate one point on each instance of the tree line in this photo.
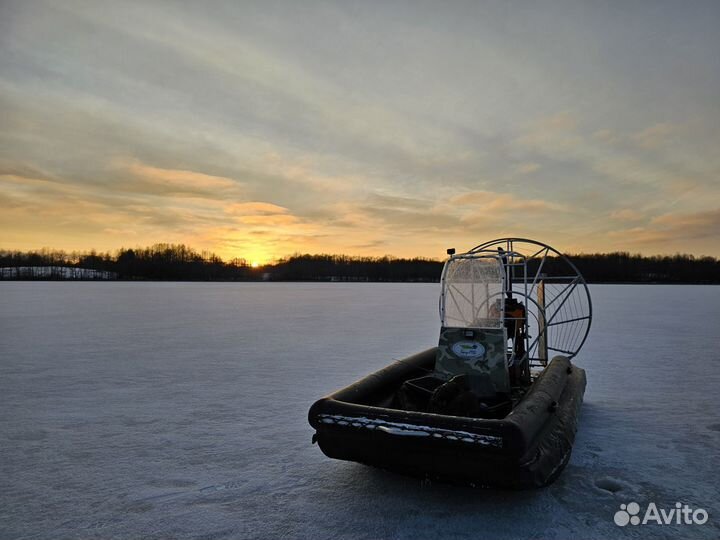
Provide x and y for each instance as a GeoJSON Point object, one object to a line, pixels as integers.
{"type": "Point", "coordinates": [158, 262]}
{"type": "Point", "coordinates": [180, 262]}
{"type": "Point", "coordinates": [623, 267]}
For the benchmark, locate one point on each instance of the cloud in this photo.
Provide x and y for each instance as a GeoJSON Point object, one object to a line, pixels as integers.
{"type": "Point", "coordinates": [654, 136]}
{"type": "Point", "coordinates": [490, 202]}
{"type": "Point", "coordinates": [696, 224]}
{"type": "Point", "coordinates": [605, 136]}
{"type": "Point", "coordinates": [173, 181]}
{"type": "Point", "coordinates": [395, 202]}
{"type": "Point", "coordinates": [259, 213]}
{"type": "Point", "coordinates": [92, 214]}
{"type": "Point", "coordinates": [400, 222]}
{"type": "Point", "coordinates": [562, 121]}
{"type": "Point", "coordinates": [528, 168]}
{"type": "Point", "coordinates": [552, 135]}
{"type": "Point", "coordinates": [681, 231]}
{"type": "Point", "coordinates": [627, 214]}
{"type": "Point", "coordinates": [610, 160]}
{"type": "Point", "coordinates": [270, 220]}
{"type": "Point", "coordinates": [255, 208]}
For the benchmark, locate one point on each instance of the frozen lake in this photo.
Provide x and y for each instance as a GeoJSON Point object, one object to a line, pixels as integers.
{"type": "Point", "coordinates": [178, 410]}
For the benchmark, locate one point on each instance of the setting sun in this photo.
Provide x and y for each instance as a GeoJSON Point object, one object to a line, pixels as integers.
{"type": "Point", "coordinates": [255, 264]}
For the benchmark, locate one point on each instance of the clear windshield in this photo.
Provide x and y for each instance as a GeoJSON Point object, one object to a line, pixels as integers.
{"type": "Point", "coordinates": [472, 293]}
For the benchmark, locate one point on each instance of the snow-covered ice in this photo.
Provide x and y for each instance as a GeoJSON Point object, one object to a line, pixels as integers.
{"type": "Point", "coordinates": [178, 410]}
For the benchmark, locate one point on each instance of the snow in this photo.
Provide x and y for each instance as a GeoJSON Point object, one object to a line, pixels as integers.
{"type": "Point", "coordinates": [179, 410]}
{"type": "Point", "coordinates": [54, 272]}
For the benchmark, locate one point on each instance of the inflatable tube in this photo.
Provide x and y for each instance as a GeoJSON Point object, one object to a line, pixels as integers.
{"type": "Point", "coordinates": [527, 448]}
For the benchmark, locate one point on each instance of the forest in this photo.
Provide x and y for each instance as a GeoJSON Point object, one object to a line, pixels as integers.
{"type": "Point", "coordinates": [177, 262]}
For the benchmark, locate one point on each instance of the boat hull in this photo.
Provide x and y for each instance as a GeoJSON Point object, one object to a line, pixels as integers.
{"type": "Point", "coordinates": [527, 448]}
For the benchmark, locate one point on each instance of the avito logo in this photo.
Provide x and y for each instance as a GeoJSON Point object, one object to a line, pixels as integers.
{"type": "Point", "coordinates": [681, 514]}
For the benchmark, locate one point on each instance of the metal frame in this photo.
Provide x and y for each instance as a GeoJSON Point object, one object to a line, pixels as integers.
{"type": "Point", "coordinates": [559, 333]}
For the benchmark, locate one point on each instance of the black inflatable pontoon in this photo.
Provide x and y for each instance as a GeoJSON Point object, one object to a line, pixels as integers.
{"type": "Point", "coordinates": [485, 407]}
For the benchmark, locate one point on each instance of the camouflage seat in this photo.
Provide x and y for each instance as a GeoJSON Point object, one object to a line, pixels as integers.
{"type": "Point", "coordinates": [478, 353]}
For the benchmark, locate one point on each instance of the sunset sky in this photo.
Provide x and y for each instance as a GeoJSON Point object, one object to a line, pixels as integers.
{"type": "Point", "coordinates": [259, 129]}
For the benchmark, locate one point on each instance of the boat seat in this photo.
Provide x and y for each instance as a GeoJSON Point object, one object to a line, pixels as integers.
{"type": "Point", "coordinates": [478, 353]}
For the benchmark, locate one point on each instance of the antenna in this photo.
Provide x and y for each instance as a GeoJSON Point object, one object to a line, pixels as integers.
{"type": "Point", "coordinates": [508, 272]}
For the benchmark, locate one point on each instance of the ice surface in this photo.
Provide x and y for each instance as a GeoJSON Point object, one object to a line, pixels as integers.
{"type": "Point", "coordinates": [161, 410]}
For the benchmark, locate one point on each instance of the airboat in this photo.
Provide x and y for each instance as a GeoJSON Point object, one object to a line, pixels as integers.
{"type": "Point", "coordinates": [496, 403]}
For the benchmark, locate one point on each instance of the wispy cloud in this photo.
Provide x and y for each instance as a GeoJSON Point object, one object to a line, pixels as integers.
{"type": "Point", "coordinates": [502, 202]}
{"type": "Point", "coordinates": [627, 215]}
{"type": "Point", "coordinates": [654, 136]}
{"type": "Point", "coordinates": [173, 181]}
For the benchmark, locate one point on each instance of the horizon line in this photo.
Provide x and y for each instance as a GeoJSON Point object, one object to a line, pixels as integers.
{"type": "Point", "coordinates": [280, 258]}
